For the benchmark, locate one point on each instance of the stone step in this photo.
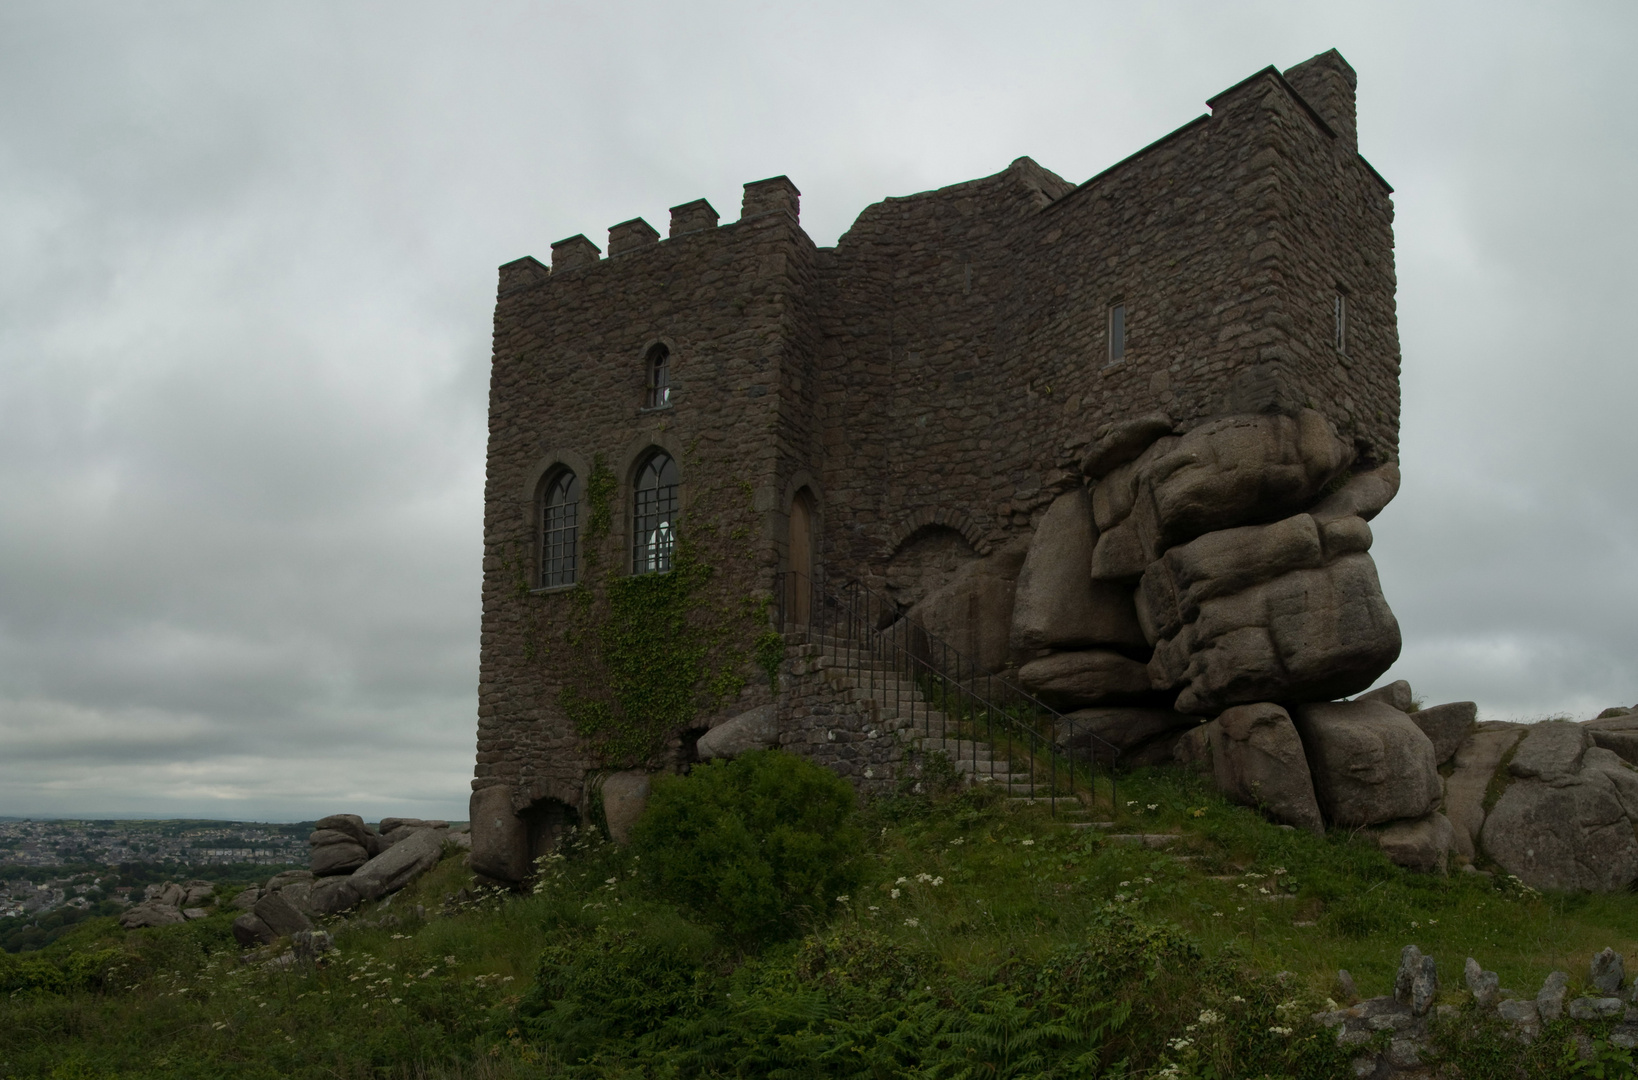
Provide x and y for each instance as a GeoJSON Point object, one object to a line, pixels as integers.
{"type": "Point", "coordinates": [1093, 825]}
{"type": "Point", "coordinates": [956, 748]}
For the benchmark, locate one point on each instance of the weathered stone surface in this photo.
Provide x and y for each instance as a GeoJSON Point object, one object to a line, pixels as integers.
{"type": "Point", "coordinates": [1118, 443]}
{"type": "Point", "coordinates": [1550, 999]}
{"type": "Point", "coordinates": [1123, 727]}
{"type": "Point", "coordinates": [1446, 726]}
{"type": "Point", "coordinates": [1520, 1012]}
{"type": "Point", "coordinates": [398, 865]}
{"type": "Point", "coordinates": [1241, 469]}
{"type": "Point", "coordinates": [249, 931]}
{"type": "Point", "coordinates": [169, 894]}
{"type": "Point", "coordinates": [1362, 496]}
{"type": "Point", "coordinates": [1565, 821]}
{"type": "Point", "coordinates": [1369, 763]}
{"type": "Point", "coordinates": [280, 915]}
{"type": "Point", "coordinates": [324, 837]}
{"type": "Point", "coordinates": [1606, 973]}
{"type": "Point", "coordinates": [1475, 762]}
{"type": "Point", "coordinates": [1087, 677]}
{"type": "Point", "coordinates": [973, 612]}
{"type": "Point", "coordinates": [193, 913]}
{"type": "Point", "coordinates": [755, 729]}
{"type": "Point", "coordinates": [1398, 694]}
{"type": "Point", "coordinates": [625, 797]}
{"type": "Point", "coordinates": [198, 893]}
{"type": "Point", "coordinates": [1551, 751]}
{"type": "Point", "coordinates": [297, 894]}
{"type": "Point", "coordinates": [1423, 844]}
{"type": "Point", "coordinates": [1193, 749]}
{"type": "Point", "coordinates": [247, 899]}
{"type": "Point", "coordinates": [1595, 1008]}
{"type": "Point", "coordinates": [1306, 635]}
{"type": "Point", "coordinates": [1417, 982]}
{"type": "Point", "coordinates": [150, 913]}
{"type": "Point", "coordinates": [311, 944]}
{"type": "Point", "coordinates": [1057, 605]}
{"type": "Point", "coordinates": [333, 895]}
{"type": "Point", "coordinates": [287, 877]}
{"type": "Point", "coordinates": [338, 859]}
{"type": "Point", "coordinates": [1219, 564]}
{"type": "Point", "coordinates": [1485, 986]}
{"type": "Point", "coordinates": [1258, 760]}
{"type": "Point", "coordinates": [350, 824]}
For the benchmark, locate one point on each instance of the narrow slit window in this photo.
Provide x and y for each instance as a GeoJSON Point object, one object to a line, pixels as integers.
{"type": "Point", "coordinates": [560, 531]}
{"type": "Point", "coordinates": [1117, 333]}
{"type": "Point", "coordinates": [658, 392]}
{"type": "Point", "coordinates": [1341, 318]}
{"type": "Point", "coordinates": [654, 516]}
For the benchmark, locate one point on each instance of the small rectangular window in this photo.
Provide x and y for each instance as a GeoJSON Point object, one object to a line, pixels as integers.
{"type": "Point", "coordinates": [1342, 322]}
{"type": "Point", "coordinates": [1117, 333]}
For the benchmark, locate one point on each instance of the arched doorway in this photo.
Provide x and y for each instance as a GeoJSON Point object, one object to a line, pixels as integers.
{"type": "Point", "coordinates": [801, 558]}
{"type": "Point", "coordinates": [546, 820]}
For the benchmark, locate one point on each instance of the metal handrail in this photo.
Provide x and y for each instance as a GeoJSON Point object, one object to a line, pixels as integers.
{"type": "Point", "coordinates": [898, 662]}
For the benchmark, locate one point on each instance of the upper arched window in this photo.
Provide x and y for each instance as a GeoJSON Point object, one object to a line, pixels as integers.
{"type": "Point", "coordinates": [658, 375]}
{"type": "Point", "coordinates": [560, 530]}
{"type": "Point", "coordinates": [654, 515]}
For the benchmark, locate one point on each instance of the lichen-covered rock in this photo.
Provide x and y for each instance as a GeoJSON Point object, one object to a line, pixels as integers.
{"type": "Point", "coordinates": [1086, 677]}
{"type": "Point", "coordinates": [333, 895]}
{"type": "Point", "coordinates": [1446, 726]}
{"type": "Point", "coordinates": [1258, 760]}
{"type": "Point", "coordinates": [1423, 844]}
{"type": "Point", "coordinates": [341, 858]}
{"type": "Point", "coordinates": [249, 931]}
{"type": "Point", "coordinates": [500, 840]}
{"type": "Point", "coordinates": [150, 913]}
{"type": "Point", "coordinates": [1309, 635]}
{"type": "Point", "coordinates": [397, 866]}
{"type": "Point", "coordinates": [1483, 985]}
{"type": "Point", "coordinates": [1143, 736]}
{"type": "Point", "coordinates": [625, 797]}
{"type": "Point", "coordinates": [755, 729]}
{"type": "Point", "coordinates": [1417, 982]}
{"type": "Point", "coordinates": [1566, 819]}
{"type": "Point", "coordinates": [1369, 763]}
{"type": "Point", "coordinates": [1606, 973]}
{"type": "Point", "coordinates": [280, 915]}
{"type": "Point", "coordinates": [1057, 605]}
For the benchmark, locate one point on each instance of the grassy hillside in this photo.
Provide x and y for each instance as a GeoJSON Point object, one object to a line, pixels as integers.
{"type": "Point", "coordinates": [978, 939]}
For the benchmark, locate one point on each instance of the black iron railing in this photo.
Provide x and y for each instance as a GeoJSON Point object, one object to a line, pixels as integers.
{"type": "Point", "coordinates": [986, 725]}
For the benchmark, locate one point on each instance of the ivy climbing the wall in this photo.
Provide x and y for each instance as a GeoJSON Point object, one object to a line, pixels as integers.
{"type": "Point", "coordinates": [637, 657]}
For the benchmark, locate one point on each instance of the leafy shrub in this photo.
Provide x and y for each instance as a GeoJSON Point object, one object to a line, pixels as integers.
{"type": "Point", "coordinates": [754, 846]}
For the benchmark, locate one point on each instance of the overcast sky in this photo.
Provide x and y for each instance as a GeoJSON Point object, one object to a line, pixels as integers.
{"type": "Point", "coordinates": [247, 268]}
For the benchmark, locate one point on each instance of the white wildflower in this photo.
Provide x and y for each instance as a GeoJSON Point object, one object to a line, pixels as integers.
{"type": "Point", "coordinates": [912, 923]}
{"type": "Point", "coordinates": [1029, 843]}
{"type": "Point", "coordinates": [1209, 1017]}
{"type": "Point", "coordinates": [1279, 1030]}
{"type": "Point", "coordinates": [894, 894]}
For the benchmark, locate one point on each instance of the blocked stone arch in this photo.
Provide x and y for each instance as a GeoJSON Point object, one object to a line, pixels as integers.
{"type": "Point", "coordinates": [938, 516]}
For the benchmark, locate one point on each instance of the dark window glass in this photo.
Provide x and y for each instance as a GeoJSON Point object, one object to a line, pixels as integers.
{"type": "Point", "coordinates": [654, 516]}
{"type": "Point", "coordinates": [659, 378]}
{"type": "Point", "coordinates": [560, 531]}
{"type": "Point", "coordinates": [1117, 333]}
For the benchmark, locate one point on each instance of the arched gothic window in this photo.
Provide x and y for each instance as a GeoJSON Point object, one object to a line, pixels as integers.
{"type": "Point", "coordinates": [654, 515]}
{"type": "Point", "coordinates": [658, 392]}
{"type": "Point", "coordinates": [560, 530]}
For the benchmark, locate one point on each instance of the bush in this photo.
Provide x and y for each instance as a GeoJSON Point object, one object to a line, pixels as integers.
{"type": "Point", "coordinates": [755, 846]}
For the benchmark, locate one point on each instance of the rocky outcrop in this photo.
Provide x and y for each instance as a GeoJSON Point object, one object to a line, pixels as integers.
{"type": "Point", "coordinates": [1446, 727]}
{"type": "Point", "coordinates": [168, 904]}
{"type": "Point", "coordinates": [1143, 736]}
{"type": "Point", "coordinates": [1370, 763]}
{"type": "Point", "coordinates": [625, 797]}
{"type": "Point", "coordinates": [1423, 844]}
{"type": "Point", "coordinates": [1258, 760]}
{"type": "Point", "coordinates": [1085, 677]}
{"type": "Point", "coordinates": [1057, 604]}
{"type": "Point", "coordinates": [1566, 818]}
{"type": "Point", "coordinates": [1475, 763]}
{"type": "Point", "coordinates": [973, 611]}
{"type": "Point", "coordinates": [500, 840]}
{"type": "Point", "coordinates": [398, 865]}
{"type": "Point", "coordinates": [756, 729]}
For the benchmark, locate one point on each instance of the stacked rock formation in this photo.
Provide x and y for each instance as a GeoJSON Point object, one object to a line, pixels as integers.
{"type": "Point", "coordinates": [351, 862]}
{"type": "Point", "coordinates": [168, 904]}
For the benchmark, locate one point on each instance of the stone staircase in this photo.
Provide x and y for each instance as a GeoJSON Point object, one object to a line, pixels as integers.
{"type": "Point", "coordinates": [900, 706]}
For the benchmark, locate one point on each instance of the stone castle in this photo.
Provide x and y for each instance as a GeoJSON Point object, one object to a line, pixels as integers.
{"type": "Point", "coordinates": [1117, 441]}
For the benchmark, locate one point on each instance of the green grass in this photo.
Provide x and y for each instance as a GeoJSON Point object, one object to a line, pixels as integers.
{"type": "Point", "coordinates": [1011, 934]}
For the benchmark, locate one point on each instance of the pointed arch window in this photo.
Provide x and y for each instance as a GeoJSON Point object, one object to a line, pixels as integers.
{"type": "Point", "coordinates": [657, 394]}
{"type": "Point", "coordinates": [654, 514]}
{"type": "Point", "coordinates": [560, 530]}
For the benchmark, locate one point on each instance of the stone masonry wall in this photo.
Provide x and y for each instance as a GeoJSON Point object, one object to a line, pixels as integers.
{"type": "Point", "coordinates": [820, 719]}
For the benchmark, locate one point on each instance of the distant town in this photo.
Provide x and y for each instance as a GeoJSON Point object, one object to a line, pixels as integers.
{"type": "Point", "coordinates": [54, 873]}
